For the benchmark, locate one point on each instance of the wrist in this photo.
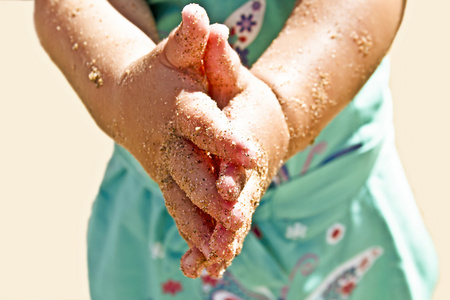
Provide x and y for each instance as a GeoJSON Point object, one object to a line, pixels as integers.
{"type": "Point", "coordinates": [300, 126]}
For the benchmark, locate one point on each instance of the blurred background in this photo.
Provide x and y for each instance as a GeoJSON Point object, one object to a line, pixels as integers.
{"type": "Point", "coordinates": [52, 155]}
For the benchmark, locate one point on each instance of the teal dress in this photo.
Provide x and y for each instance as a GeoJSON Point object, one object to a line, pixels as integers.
{"type": "Point", "coordinates": [339, 220]}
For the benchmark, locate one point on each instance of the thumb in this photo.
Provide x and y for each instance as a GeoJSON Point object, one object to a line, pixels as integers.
{"type": "Point", "coordinates": [222, 66]}
{"type": "Point", "coordinates": [186, 44]}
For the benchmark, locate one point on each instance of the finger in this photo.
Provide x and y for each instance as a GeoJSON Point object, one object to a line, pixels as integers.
{"type": "Point", "coordinates": [216, 270]}
{"type": "Point", "coordinates": [226, 243]}
{"type": "Point", "coordinates": [222, 66]}
{"type": "Point", "coordinates": [231, 180]}
{"type": "Point", "coordinates": [190, 166]}
{"type": "Point", "coordinates": [192, 263]}
{"type": "Point", "coordinates": [186, 44]}
{"type": "Point", "coordinates": [201, 121]}
{"type": "Point", "coordinates": [192, 222]}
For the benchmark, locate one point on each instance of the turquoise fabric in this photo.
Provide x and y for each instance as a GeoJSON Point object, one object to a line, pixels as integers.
{"type": "Point", "coordinates": [339, 221]}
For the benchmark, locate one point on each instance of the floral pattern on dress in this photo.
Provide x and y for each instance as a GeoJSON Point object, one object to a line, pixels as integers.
{"type": "Point", "coordinates": [171, 287]}
{"type": "Point", "coordinates": [242, 55]}
{"type": "Point", "coordinates": [296, 231]}
{"type": "Point", "coordinates": [245, 23]}
{"type": "Point", "coordinates": [157, 250]}
{"type": "Point", "coordinates": [229, 288]}
{"type": "Point", "coordinates": [306, 265]}
{"type": "Point", "coordinates": [335, 233]}
{"type": "Point", "coordinates": [281, 177]}
{"type": "Point", "coordinates": [343, 280]}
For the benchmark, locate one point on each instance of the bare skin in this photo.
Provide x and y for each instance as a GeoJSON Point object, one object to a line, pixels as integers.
{"type": "Point", "coordinates": [316, 75]}
{"type": "Point", "coordinates": [245, 100]}
{"type": "Point", "coordinates": [317, 65]}
{"type": "Point", "coordinates": [310, 93]}
{"type": "Point", "coordinates": [157, 108]}
{"type": "Point", "coordinates": [322, 58]}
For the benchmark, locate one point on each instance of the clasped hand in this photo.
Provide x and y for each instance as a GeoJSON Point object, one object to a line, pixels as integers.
{"type": "Point", "coordinates": [207, 131]}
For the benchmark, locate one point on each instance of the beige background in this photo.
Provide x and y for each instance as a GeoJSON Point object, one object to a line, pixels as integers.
{"type": "Point", "coordinates": [52, 156]}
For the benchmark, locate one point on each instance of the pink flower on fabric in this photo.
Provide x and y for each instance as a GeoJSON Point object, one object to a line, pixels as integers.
{"type": "Point", "coordinates": [347, 286]}
{"type": "Point", "coordinates": [335, 233]}
{"type": "Point", "coordinates": [210, 281]}
{"type": "Point", "coordinates": [172, 287]}
{"type": "Point", "coordinates": [255, 229]}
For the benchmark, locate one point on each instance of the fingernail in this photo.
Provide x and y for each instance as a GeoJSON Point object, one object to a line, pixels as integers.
{"type": "Point", "coordinates": [226, 221]}
{"type": "Point", "coordinates": [237, 217]}
{"type": "Point", "coordinates": [206, 249]}
{"type": "Point", "coordinates": [229, 184]}
{"type": "Point", "coordinates": [222, 244]}
{"type": "Point", "coordinates": [249, 154]}
{"type": "Point", "coordinates": [192, 263]}
{"type": "Point", "coordinates": [222, 31]}
{"type": "Point", "coordinates": [197, 11]}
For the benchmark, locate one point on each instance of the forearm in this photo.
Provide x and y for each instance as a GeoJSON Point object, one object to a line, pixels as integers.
{"type": "Point", "coordinates": [323, 56]}
{"type": "Point", "coordinates": [138, 13]}
{"type": "Point", "coordinates": [92, 44]}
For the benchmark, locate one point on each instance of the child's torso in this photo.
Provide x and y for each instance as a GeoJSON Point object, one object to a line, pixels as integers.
{"type": "Point", "coordinates": [333, 214]}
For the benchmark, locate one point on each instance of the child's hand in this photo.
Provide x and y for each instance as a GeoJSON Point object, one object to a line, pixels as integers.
{"type": "Point", "coordinates": [254, 109]}
{"type": "Point", "coordinates": [166, 118]}
{"type": "Point", "coordinates": [151, 99]}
